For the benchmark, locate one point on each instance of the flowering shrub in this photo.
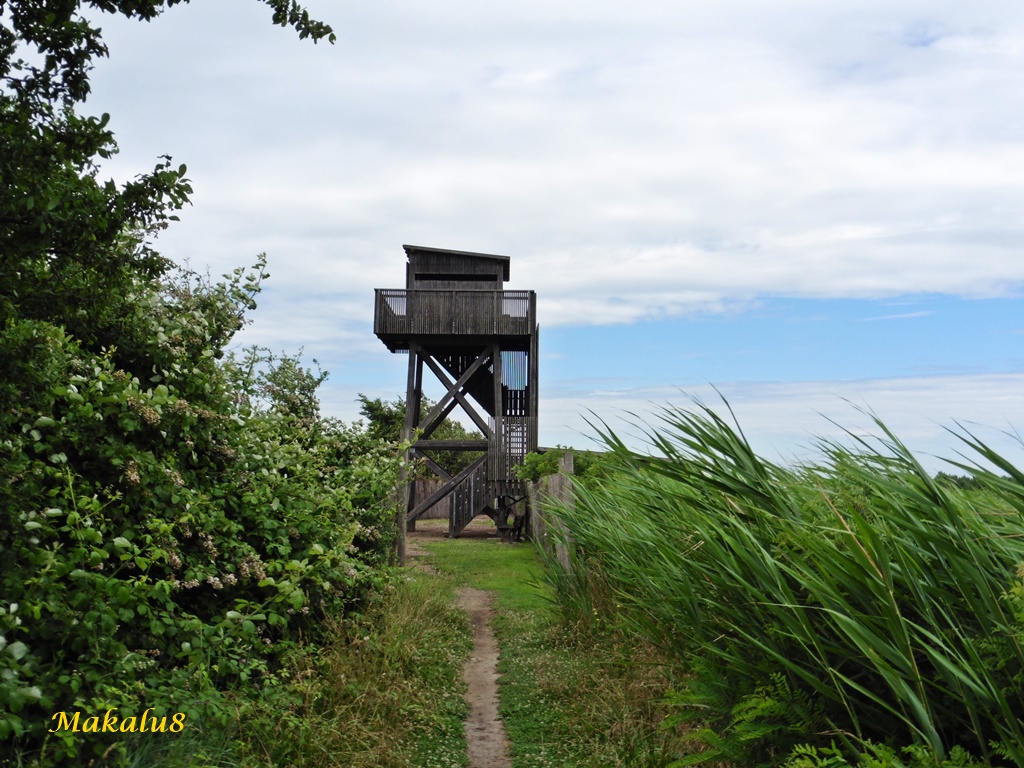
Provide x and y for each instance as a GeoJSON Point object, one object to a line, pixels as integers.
{"type": "Point", "coordinates": [170, 519]}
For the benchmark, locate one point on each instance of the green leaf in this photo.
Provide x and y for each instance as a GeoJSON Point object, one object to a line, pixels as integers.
{"type": "Point", "coordinates": [17, 650]}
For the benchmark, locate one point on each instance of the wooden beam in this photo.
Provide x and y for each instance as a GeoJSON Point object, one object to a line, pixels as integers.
{"type": "Point", "coordinates": [412, 390]}
{"type": "Point", "coordinates": [412, 409]}
{"type": "Point", "coordinates": [434, 467]}
{"type": "Point", "coordinates": [498, 469]}
{"type": "Point", "coordinates": [450, 445]}
{"type": "Point", "coordinates": [429, 430]}
{"type": "Point", "coordinates": [419, 385]}
{"type": "Point", "coordinates": [444, 490]}
{"type": "Point", "coordinates": [455, 390]}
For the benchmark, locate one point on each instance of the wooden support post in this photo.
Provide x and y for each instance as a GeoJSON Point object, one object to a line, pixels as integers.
{"type": "Point", "coordinates": [499, 470]}
{"type": "Point", "coordinates": [412, 416]}
{"type": "Point", "coordinates": [418, 388]}
{"type": "Point", "coordinates": [533, 384]}
{"type": "Point", "coordinates": [402, 504]}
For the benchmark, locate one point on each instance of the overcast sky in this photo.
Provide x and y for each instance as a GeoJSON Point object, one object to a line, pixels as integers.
{"type": "Point", "coordinates": [807, 205]}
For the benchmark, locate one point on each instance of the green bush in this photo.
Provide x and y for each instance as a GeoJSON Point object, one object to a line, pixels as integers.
{"type": "Point", "coordinates": [537, 465]}
{"type": "Point", "coordinates": [588, 467]}
{"type": "Point", "coordinates": [170, 522]}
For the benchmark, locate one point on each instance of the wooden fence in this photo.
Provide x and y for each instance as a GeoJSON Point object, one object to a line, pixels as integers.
{"type": "Point", "coordinates": [544, 494]}
{"type": "Point", "coordinates": [425, 486]}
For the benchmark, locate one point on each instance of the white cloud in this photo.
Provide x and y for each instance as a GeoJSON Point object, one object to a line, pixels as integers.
{"type": "Point", "coordinates": [655, 158]}
{"type": "Point", "coordinates": [784, 420]}
{"type": "Point", "coordinates": [900, 316]}
{"type": "Point", "coordinates": [636, 160]}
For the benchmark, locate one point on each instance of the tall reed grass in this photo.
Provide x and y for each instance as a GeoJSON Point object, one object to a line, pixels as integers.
{"type": "Point", "coordinates": [855, 601]}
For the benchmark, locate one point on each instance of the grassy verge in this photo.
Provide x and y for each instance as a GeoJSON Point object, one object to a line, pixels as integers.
{"type": "Point", "coordinates": [569, 696]}
{"type": "Point", "coordinates": [574, 699]}
{"type": "Point", "coordinates": [386, 693]}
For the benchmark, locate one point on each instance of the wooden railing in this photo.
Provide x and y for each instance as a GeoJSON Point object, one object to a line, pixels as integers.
{"type": "Point", "coordinates": [471, 494]}
{"type": "Point", "coordinates": [401, 313]}
{"type": "Point", "coordinates": [470, 497]}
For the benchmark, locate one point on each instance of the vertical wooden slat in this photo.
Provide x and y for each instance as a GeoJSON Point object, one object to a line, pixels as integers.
{"type": "Point", "coordinates": [533, 385]}
{"type": "Point", "coordinates": [497, 450]}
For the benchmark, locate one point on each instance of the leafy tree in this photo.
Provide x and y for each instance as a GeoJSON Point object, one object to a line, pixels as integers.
{"type": "Point", "coordinates": [74, 248]}
{"type": "Point", "coordinates": [172, 521]}
{"type": "Point", "coordinates": [964, 482]}
{"type": "Point", "coordinates": [385, 420]}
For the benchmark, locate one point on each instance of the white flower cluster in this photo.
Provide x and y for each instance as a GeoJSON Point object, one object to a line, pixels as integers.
{"type": "Point", "coordinates": [252, 566]}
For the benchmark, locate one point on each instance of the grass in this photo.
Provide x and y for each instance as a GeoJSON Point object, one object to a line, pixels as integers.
{"type": "Point", "coordinates": [856, 601]}
{"type": "Point", "coordinates": [511, 571]}
{"type": "Point", "coordinates": [387, 692]}
{"type": "Point", "coordinates": [578, 699]}
{"type": "Point", "coordinates": [570, 696]}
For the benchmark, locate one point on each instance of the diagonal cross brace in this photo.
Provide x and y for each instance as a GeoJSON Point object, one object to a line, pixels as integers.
{"type": "Point", "coordinates": [455, 390]}
{"type": "Point", "coordinates": [434, 466]}
{"type": "Point", "coordinates": [444, 490]}
{"type": "Point", "coordinates": [426, 433]}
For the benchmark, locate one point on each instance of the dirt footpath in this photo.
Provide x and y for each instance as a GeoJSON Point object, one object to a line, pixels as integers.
{"type": "Point", "coordinates": [486, 741]}
{"type": "Point", "coordinates": [485, 732]}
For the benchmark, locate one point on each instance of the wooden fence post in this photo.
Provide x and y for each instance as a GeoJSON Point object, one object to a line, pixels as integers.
{"type": "Point", "coordinates": [543, 520]}
{"type": "Point", "coordinates": [405, 480]}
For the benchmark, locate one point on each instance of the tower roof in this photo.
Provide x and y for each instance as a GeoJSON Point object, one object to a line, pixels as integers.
{"type": "Point", "coordinates": [502, 260]}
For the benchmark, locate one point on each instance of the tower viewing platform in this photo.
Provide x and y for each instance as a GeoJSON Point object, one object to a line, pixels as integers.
{"type": "Point", "coordinates": [454, 299]}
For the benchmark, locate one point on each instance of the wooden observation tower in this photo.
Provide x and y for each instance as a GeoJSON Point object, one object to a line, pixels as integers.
{"type": "Point", "coordinates": [454, 319]}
